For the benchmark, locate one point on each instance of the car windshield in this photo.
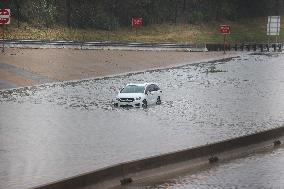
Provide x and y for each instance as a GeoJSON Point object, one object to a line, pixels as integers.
{"type": "Point", "coordinates": [133, 89]}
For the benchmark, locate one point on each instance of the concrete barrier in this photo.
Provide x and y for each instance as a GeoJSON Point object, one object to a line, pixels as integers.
{"type": "Point", "coordinates": [122, 170]}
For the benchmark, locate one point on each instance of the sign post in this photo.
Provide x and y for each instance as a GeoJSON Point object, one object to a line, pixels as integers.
{"type": "Point", "coordinates": [4, 20]}
{"type": "Point", "coordinates": [136, 23]}
{"type": "Point", "coordinates": [3, 38]}
{"type": "Point", "coordinates": [224, 30]}
{"type": "Point", "coordinates": [273, 27]}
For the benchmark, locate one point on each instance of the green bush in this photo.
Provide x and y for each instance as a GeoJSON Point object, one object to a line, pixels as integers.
{"type": "Point", "coordinates": [106, 22]}
{"type": "Point", "coordinates": [197, 17]}
{"type": "Point", "coordinates": [44, 12]}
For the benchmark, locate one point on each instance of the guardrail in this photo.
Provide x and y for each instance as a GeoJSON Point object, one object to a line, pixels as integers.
{"type": "Point", "coordinates": [122, 172]}
{"type": "Point", "coordinates": [103, 45]}
{"type": "Point", "coordinates": [109, 45]}
{"type": "Point", "coordinates": [246, 47]}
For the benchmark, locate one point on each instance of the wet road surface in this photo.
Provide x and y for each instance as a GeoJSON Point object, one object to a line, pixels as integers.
{"type": "Point", "coordinates": [258, 171]}
{"type": "Point", "coordinates": [6, 85]}
{"type": "Point", "coordinates": [20, 73]}
{"type": "Point", "coordinates": [26, 74]}
{"type": "Point", "coordinates": [59, 130]}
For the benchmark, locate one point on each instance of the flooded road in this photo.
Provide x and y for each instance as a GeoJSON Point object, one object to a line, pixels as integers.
{"type": "Point", "coordinates": [258, 171]}
{"type": "Point", "coordinates": [59, 130]}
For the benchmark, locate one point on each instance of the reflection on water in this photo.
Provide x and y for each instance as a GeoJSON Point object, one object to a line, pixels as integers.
{"type": "Point", "coordinates": [254, 172]}
{"type": "Point", "coordinates": [59, 130]}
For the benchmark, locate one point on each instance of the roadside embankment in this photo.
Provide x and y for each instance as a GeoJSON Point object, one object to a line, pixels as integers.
{"type": "Point", "coordinates": [251, 29]}
{"type": "Point", "coordinates": [176, 162]}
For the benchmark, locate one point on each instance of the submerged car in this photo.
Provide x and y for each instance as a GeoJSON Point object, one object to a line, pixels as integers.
{"type": "Point", "coordinates": [138, 95]}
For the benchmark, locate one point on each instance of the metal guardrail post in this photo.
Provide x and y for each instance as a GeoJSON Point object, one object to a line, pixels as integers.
{"type": "Point", "coordinates": [236, 47]}
{"type": "Point", "coordinates": [254, 47]}
{"type": "Point", "coordinates": [267, 47]}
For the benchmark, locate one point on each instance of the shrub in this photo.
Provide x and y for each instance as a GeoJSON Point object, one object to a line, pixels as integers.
{"type": "Point", "coordinates": [44, 12]}
{"type": "Point", "coordinates": [197, 17]}
{"type": "Point", "coordinates": [106, 22]}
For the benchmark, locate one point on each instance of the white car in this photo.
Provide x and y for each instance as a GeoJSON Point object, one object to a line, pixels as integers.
{"type": "Point", "coordinates": [138, 95]}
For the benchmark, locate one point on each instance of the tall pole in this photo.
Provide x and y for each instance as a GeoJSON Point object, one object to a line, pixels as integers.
{"type": "Point", "coordinates": [268, 37]}
{"type": "Point", "coordinates": [3, 37]}
{"type": "Point", "coordinates": [224, 45]}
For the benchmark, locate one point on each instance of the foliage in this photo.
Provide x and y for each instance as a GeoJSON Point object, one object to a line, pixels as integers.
{"type": "Point", "coordinates": [105, 22]}
{"type": "Point", "coordinates": [44, 12]}
{"type": "Point", "coordinates": [246, 30]}
{"type": "Point", "coordinates": [109, 14]}
{"type": "Point", "coordinates": [40, 13]}
{"type": "Point", "coordinates": [196, 17]}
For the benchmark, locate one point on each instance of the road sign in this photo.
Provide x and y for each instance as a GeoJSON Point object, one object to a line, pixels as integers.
{"type": "Point", "coordinates": [225, 29]}
{"type": "Point", "coordinates": [136, 22]}
{"type": "Point", "coordinates": [273, 25]}
{"type": "Point", "coordinates": [5, 16]}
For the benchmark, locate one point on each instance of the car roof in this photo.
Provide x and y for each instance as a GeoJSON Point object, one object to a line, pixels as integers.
{"type": "Point", "coordinates": [140, 84]}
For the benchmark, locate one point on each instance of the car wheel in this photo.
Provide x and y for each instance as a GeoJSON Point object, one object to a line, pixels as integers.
{"type": "Point", "coordinates": [144, 104]}
{"type": "Point", "coordinates": [159, 101]}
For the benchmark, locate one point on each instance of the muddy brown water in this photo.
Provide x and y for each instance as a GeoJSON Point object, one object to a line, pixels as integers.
{"type": "Point", "coordinates": [21, 72]}
{"type": "Point", "coordinates": [58, 130]}
{"type": "Point", "coordinates": [258, 171]}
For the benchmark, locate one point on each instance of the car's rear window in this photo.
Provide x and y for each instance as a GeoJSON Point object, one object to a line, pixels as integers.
{"type": "Point", "coordinates": [133, 89]}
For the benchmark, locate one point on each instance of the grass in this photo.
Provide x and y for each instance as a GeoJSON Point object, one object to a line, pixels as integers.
{"type": "Point", "coordinates": [250, 30]}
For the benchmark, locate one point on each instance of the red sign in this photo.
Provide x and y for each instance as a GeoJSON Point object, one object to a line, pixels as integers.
{"type": "Point", "coordinates": [225, 29]}
{"type": "Point", "coordinates": [136, 22]}
{"type": "Point", "coordinates": [5, 16]}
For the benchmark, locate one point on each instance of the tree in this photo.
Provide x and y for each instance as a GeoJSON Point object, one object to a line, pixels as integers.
{"type": "Point", "coordinates": [104, 14]}
{"type": "Point", "coordinates": [68, 10]}
{"type": "Point", "coordinates": [17, 6]}
{"type": "Point", "coordinates": [44, 12]}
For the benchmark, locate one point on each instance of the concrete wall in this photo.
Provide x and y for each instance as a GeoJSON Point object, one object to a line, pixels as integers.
{"type": "Point", "coordinates": [119, 171]}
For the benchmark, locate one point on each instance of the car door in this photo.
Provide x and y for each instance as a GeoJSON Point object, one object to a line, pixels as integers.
{"type": "Point", "coordinates": [150, 95]}
{"type": "Point", "coordinates": [156, 92]}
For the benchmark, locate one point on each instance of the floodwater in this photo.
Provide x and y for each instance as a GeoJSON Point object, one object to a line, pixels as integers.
{"type": "Point", "coordinates": [55, 131]}
{"type": "Point", "coordinates": [258, 171]}
{"type": "Point", "coordinates": [21, 72]}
